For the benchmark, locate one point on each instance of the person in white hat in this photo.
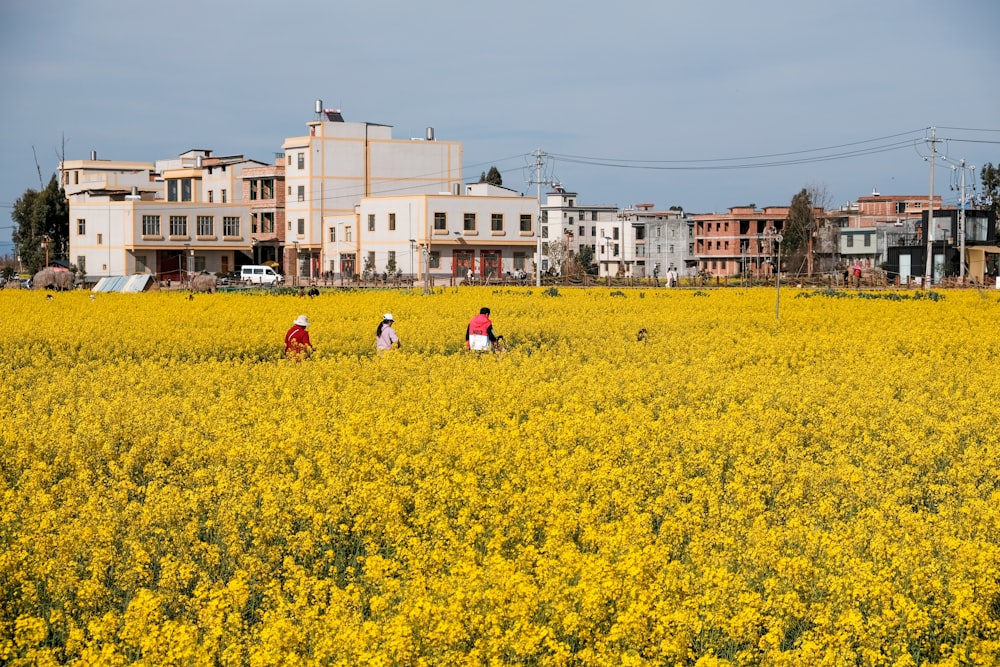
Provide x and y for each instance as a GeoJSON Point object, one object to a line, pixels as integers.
{"type": "Point", "coordinates": [297, 343]}
{"type": "Point", "coordinates": [385, 336]}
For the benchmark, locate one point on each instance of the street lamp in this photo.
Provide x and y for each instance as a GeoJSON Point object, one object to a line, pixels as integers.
{"type": "Point", "coordinates": [772, 235]}
{"type": "Point", "coordinates": [569, 240]}
{"type": "Point", "coordinates": [413, 246]}
{"type": "Point", "coordinates": [427, 268]}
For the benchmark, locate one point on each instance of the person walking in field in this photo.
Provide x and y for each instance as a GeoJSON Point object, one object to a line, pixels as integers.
{"type": "Point", "coordinates": [386, 337]}
{"type": "Point", "coordinates": [298, 346]}
{"type": "Point", "coordinates": [479, 334]}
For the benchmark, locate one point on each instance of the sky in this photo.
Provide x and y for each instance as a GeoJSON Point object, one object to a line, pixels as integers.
{"type": "Point", "coordinates": [703, 105]}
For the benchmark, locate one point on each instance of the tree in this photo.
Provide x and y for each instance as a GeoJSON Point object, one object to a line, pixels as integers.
{"type": "Point", "coordinates": [41, 216]}
{"type": "Point", "coordinates": [798, 230]}
{"type": "Point", "coordinates": [585, 258]}
{"type": "Point", "coordinates": [493, 177]}
{"type": "Point", "coordinates": [990, 198]}
{"type": "Point", "coordinates": [558, 252]}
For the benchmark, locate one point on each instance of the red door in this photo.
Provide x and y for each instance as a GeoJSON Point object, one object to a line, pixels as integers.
{"type": "Point", "coordinates": [490, 264]}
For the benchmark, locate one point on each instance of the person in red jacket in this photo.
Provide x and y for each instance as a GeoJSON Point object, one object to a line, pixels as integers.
{"type": "Point", "coordinates": [479, 334]}
{"type": "Point", "coordinates": [297, 343]}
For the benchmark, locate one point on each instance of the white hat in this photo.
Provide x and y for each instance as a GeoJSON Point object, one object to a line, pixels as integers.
{"type": "Point", "coordinates": [301, 321]}
{"type": "Point", "coordinates": [388, 316]}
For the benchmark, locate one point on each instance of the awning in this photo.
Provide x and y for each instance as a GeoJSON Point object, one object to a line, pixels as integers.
{"type": "Point", "coordinates": [977, 259]}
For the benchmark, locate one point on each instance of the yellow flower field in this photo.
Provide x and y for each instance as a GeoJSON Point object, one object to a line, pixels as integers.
{"type": "Point", "coordinates": [730, 491]}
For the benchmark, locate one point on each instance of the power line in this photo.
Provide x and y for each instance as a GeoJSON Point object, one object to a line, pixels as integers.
{"type": "Point", "coordinates": [693, 166]}
{"type": "Point", "coordinates": [752, 157]}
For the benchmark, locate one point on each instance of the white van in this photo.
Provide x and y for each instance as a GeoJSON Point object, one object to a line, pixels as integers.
{"type": "Point", "coordinates": [259, 275]}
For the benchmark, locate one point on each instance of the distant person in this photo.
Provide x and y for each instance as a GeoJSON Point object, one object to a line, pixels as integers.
{"type": "Point", "coordinates": [314, 291]}
{"type": "Point", "coordinates": [298, 346]}
{"type": "Point", "coordinates": [386, 337]}
{"type": "Point", "coordinates": [479, 334]}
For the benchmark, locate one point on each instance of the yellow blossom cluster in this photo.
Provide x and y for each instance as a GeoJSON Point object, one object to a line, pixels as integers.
{"type": "Point", "coordinates": [732, 489]}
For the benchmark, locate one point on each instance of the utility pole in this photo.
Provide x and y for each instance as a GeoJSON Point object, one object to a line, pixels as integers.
{"type": "Point", "coordinates": [539, 163]}
{"type": "Point", "coordinates": [928, 272]}
{"type": "Point", "coordinates": [961, 223]}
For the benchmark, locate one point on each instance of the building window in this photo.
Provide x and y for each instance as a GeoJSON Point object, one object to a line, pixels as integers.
{"type": "Point", "coordinates": [347, 234]}
{"type": "Point", "coordinates": [140, 264]}
{"type": "Point", "coordinates": [231, 226]}
{"type": "Point", "coordinates": [206, 225]}
{"type": "Point", "coordinates": [222, 195]}
{"type": "Point", "coordinates": [469, 222]}
{"type": "Point", "coordinates": [616, 250]}
{"type": "Point", "coordinates": [868, 240]}
{"type": "Point", "coordinates": [392, 222]}
{"type": "Point", "coordinates": [302, 226]}
{"type": "Point", "coordinates": [440, 221]}
{"type": "Point", "coordinates": [614, 233]}
{"type": "Point", "coordinates": [434, 259]}
{"type": "Point", "coordinates": [302, 193]}
{"type": "Point", "coordinates": [593, 230]}
{"type": "Point", "coordinates": [178, 225]}
{"type": "Point", "coordinates": [526, 222]}
{"type": "Point", "coordinates": [850, 240]}
{"type": "Point", "coordinates": [333, 235]}
{"type": "Point", "coordinates": [371, 259]}
{"type": "Point", "coordinates": [267, 222]}
{"type": "Point", "coordinates": [171, 190]}
{"type": "Point", "coordinates": [211, 196]}
{"type": "Point", "coordinates": [519, 258]}
{"type": "Point", "coordinates": [100, 239]}
{"type": "Point", "coordinates": [496, 222]}
{"type": "Point", "coordinates": [81, 263]}
{"type": "Point", "coordinates": [150, 225]}
{"type": "Point", "coordinates": [583, 231]}
{"type": "Point", "coordinates": [371, 222]}
{"type": "Point", "coordinates": [545, 231]}
{"type": "Point", "coordinates": [267, 188]}
{"type": "Point", "coordinates": [392, 259]}
{"type": "Point", "coordinates": [593, 215]}
{"type": "Point", "coordinates": [81, 226]}
{"type": "Point", "coordinates": [185, 189]}
{"type": "Point", "coordinates": [289, 156]}
{"type": "Point", "coordinates": [302, 160]}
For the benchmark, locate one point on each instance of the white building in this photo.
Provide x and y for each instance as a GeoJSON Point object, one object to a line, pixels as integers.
{"type": "Point", "coordinates": [329, 171]}
{"type": "Point", "coordinates": [568, 224]}
{"type": "Point", "coordinates": [171, 219]}
{"type": "Point", "coordinates": [489, 230]}
{"type": "Point", "coordinates": [664, 239]}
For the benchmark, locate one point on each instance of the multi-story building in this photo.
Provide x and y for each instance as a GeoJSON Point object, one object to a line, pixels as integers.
{"type": "Point", "coordinates": [264, 189]}
{"type": "Point", "coordinates": [868, 226]}
{"type": "Point", "coordinates": [738, 241]}
{"type": "Point", "coordinates": [161, 219]}
{"type": "Point", "coordinates": [336, 165]}
{"type": "Point", "coordinates": [663, 239]}
{"type": "Point", "coordinates": [490, 231]}
{"type": "Point", "coordinates": [568, 226]}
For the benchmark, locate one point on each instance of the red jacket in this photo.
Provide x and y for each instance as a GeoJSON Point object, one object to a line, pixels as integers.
{"type": "Point", "coordinates": [480, 325]}
{"type": "Point", "coordinates": [297, 340]}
